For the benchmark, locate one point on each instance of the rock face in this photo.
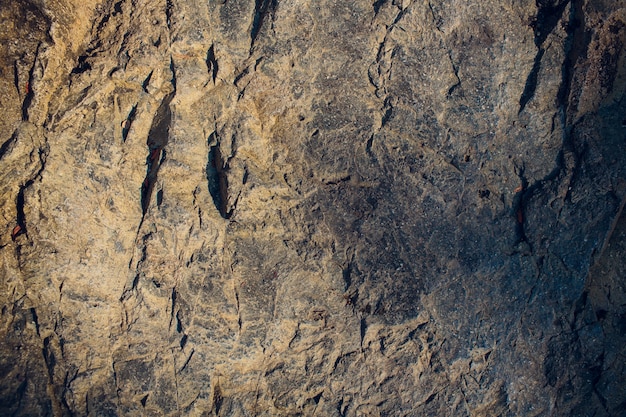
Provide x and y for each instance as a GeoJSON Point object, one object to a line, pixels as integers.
{"type": "Point", "coordinates": [339, 208]}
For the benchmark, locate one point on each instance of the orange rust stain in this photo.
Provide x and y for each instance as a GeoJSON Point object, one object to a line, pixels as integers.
{"type": "Point", "coordinates": [16, 231]}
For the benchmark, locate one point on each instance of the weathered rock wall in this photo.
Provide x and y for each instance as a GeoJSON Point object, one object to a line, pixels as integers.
{"type": "Point", "coordinates": [292, 208]}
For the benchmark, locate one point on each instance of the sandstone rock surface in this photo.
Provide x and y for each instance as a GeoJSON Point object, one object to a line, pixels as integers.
{"type": "Point", "coordinates": [334, 208]}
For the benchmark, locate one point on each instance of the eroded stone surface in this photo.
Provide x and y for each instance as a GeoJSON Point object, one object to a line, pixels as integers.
{"type": "Point", "coordinates": [296, 208]}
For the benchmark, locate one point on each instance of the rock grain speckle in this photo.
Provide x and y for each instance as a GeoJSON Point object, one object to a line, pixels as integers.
{"type": "Point", "coordinates": [281, 208]}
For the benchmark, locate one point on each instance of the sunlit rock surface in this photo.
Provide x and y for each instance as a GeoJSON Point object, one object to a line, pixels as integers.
{"type": "Point", "coordinates": [333, 208]}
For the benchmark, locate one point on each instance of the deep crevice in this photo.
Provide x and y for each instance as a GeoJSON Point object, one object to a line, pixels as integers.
{"type": "Point", "coordinates": [576, 45]}
{"type": "Point", "coordinates": [368, 145]}
{"type": "Point", "coordinates": [218, 399]}
{"type": "Point", "coordinates": [172, 315]}
{"type": "Point", "coordinates": [128, 122]}
{"type": "Point", "coordinates": [168, 14]}
{"type": "Point", "coordinates": [388, 113]}
{"type": "Point", "coordinates": [241, 75]}
{"type": "Point", "coordinates": [456, 74]}
{"type": "Point", "coordinates": [6, 146]}
{"type": "Point", "coordinates": [179, 323]}
{"type": "Point", "coordinates": [187, 361]}
{"type": "Point", "coordinates": [82, 66]}
{"type": "Point", "coordinates": [146, 82]}
{"type": "Point", "coordinates": [29, 93]}
{"type": "Point", "coordinates": [573, 51]}
{"type": "Point", "coordinates": [157, 140]}
{"type": "Point", "coordinates": [173, 70]}
{"type": "Point", "coordinates": [531, 81]}
{"type": "Point", "coordinates": [216, 177]}
{"type": "Point", "coordinates": [261, 9]}
{"type": "Point", "coordinates": [377, 5]}
{"type": "Point", "coordinates": [35, 318]}
{"type": "Point", "coordinates": [20, 199]}
{"type": "Point", "coordinates": [16, 78]}
{"type": "Point", "coordinates": [211, 63]}
{"type": "Point", "coordinates": [548, 15]}
{"type": "Point", "coordinates": [518, 207]}
{"type": "Point", "coordinates": [49, 357]}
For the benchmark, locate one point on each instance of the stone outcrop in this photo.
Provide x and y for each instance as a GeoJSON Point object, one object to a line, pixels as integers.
{"type": "Point", "coordinates": [335, 208]}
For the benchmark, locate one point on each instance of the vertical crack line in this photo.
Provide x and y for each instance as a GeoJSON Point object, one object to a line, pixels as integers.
{"type": "Point", "coordinates": [218, 398]}
{"type": "Point", "coordinates": [216, 174]}
{"type": "Point", "coordinates": [547, 18]}
{"type": "Point", "coordinates": [188, 360]}
{"type": "Point", "coordinates": [146, 82]}
{"type": "Point", "coordinates": [518, 207]}
{"type": "Point", "coordinates": [172, 314]}
{"type": "Point", "coordinates": [20, 200]}
{"type": "Point", "coordinates": [173, 70]}
{"type": "Point", "coordinates": [567, 160]}
{"type": "Point", "coordinates": [168, 14]}
{"type": "Point", "coordinates": [368, 145]}
{"type": "Point", "coordinates": [238, 307]}
{"type": "Point", "coordinates": [261, 9]}
{"type": "Point", "coordinates": [16, 78]}
{"type": "Point", "coordinates": [362, 331]}
{"type": "Point", "coordinates": [29, 93]}
{"type": "Point", "coordinates": [211, 63]}
{"type": "Point", "coordinates": [575, 46]}
{"type": "Point", "coordinates": [544, 23]}
{"type": "Point", "coordinates": [455, 69]}
{"type": "Point", "coordinates": [127, 123]}
{"type": "Point", "coordinates": [7, 145]}
{"type": "Point", "coordinates": [531, 81]}
{"type": "Point", "coordinates": [35, 320]}
{"type": "Point", "coordinates": [49, 358]}
{"type": "Point", "coordinates": [175, 380]}
{"type": "Point", "coordinates": [388, 108]}
{"type": "Point", "coordinates": [157, 140]}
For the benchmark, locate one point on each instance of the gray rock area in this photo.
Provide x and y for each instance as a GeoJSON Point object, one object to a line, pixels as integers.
{"type": "Point", "coordinates": [298, 208]}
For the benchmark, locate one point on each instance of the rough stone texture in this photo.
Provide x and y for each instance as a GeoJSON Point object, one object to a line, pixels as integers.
{"type": "Point", "coordinates": [339, 208]}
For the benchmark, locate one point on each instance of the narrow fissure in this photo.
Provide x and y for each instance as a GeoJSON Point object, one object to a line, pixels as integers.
{"type": "Point", "coordinates": [211, 63]}
{"type": "Point", "coordinates": [575, 46]}
{"type": "Point", "coordinates": [168, 14]}
{"type": "Point", "coordinates": [377, 5]}
{"type": "Point", "coordinates": [6, 146]}
{"type": "Point", "coordinates": [29, 94]}
{"type": "Point", "coordinates": [35, 319]}
{"type": "Point", "coordinates": [388, 107]}
{"type": "Point", "coordinates": [127, 123]}
{"type": "Point", "coordinates": [218, 399]}
{"type": "Point", "coordinates": [157, 140]}
{"type": "Point", "coordinates": [16, 78]}
{"type": "Point", "coordinates": [261, 9]}
{"type": "Point", "coordinates": [49, 358]}
{"type": "Point", "coordinates": [82, 66]}
{"type": "Point", "coordinates": [146, 82]}
{"type": "Point", "coordinates": [216, 176]}
{"type": "Point", "coordinates": [546, 20]}
{"type": "Point", "coordinates": [531, 81]}
{"type": "Point", "coordinates": [518, 209]}
{"type": "Point", "coordinates": [20, 199]}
